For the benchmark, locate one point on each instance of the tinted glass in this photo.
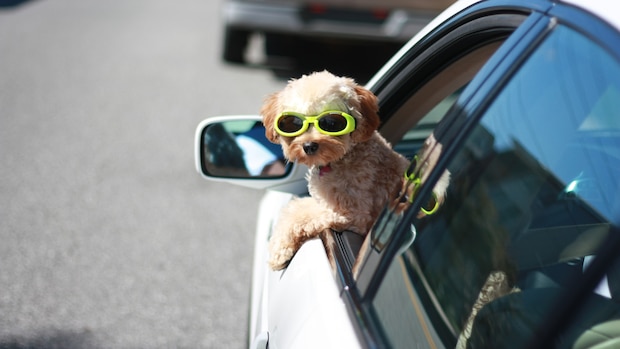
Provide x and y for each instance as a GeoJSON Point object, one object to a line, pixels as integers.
{"type": "Point", "coordinates": [333, 122]}
{"type": "Point", "coordinates": [290, 123]}
{"type": "Point", "coordinates": [534, 191]}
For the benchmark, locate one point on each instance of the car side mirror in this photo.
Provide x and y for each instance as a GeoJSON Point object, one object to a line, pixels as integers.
{"type": "Point", "coordinates": [239, 149]}
{"type": "Point", "coordinates": [235, 149]}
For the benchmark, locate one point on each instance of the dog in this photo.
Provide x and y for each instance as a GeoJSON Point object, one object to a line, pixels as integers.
{"type": "Point", "coordinates": [329, 123]}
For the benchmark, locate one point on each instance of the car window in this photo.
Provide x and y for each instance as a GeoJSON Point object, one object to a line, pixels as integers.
{"type": "Point", "coordinates": [416, 117]}
{"type": "Point", "coordinates": [533, 193]}
{"type": "Point", "coordinates": [415, 120]}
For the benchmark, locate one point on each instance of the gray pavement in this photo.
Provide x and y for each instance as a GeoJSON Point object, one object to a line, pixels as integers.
{"type": "Point", "coordinates": [108, 236]}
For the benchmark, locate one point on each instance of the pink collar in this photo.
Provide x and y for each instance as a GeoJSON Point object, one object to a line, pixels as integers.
{"type": "Point", "coordinates": [324, 170]}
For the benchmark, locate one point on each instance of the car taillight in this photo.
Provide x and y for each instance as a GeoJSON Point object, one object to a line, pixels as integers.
{"type": "Point", "coordinates": [380, 14]}
{"type": "Point", "coordinates": [317, 9]}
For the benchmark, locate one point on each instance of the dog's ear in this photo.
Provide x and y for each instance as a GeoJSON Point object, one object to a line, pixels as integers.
{"type": "Point", "coordinates": [369, 108]}
{"type": "Point", "coordinates": [269, 111]}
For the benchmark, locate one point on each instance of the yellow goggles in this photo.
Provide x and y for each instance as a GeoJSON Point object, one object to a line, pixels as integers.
{"type": "Point", "coordinates": [414, 179]}
{"type": "Point", "coordinates": [331, 122]}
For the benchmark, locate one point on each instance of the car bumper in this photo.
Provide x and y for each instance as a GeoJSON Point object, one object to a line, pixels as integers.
{"type": "Point", "coordinates": [398, 26]}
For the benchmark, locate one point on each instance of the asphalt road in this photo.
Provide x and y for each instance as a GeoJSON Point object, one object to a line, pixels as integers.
{"type": "Point", "coordinates": [108, 236]}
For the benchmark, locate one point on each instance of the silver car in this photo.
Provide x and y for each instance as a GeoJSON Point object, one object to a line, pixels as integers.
{"type": "Point", "coordinates": [298, 31]}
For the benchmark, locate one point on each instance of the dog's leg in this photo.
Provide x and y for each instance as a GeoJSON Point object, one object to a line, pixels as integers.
{"type": "Point", "coordinates": [301, 220]}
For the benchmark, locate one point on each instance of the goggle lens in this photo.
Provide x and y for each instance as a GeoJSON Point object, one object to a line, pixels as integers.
{"type": "Point", "coordinates": [332, 123]}
{"type": "Point", "coordinates": [290, 123]}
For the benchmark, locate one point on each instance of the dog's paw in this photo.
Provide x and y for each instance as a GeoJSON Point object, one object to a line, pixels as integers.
{"type": "Point", "coordinates": [280, 253]}
{"type": "Point", "coordinates": [280, 259]}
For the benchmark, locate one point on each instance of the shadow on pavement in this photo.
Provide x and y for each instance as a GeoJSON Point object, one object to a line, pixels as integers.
{"type": "Point", "coordinates": [51, 340]}
{"type": "Point", "coordinates": [11, 3]}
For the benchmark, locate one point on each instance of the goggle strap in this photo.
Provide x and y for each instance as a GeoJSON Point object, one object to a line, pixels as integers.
{"type": "Point", "coordinates": [413, 179]}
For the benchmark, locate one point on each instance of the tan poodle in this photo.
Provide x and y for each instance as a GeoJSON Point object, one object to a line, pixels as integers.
{"type": "Point", "coordinates": [329, 123]}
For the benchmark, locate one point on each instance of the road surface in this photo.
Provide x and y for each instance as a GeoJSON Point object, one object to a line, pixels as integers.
{"type": "Point", "coordinates": [108, 236]}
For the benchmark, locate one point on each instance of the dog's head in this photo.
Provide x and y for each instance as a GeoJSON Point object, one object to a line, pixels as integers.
{"type": "Point", "coordinates": [312, 95]}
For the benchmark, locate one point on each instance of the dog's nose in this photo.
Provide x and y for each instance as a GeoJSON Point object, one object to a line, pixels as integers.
{"type": "Point", "coordinates": [311, 147]}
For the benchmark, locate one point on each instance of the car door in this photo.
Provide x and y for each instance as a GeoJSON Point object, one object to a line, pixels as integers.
{"type": "Point", "coordinates": [521, 253]}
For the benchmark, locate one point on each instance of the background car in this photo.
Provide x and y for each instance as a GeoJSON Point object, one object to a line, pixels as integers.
{"type": "Point", "coordinates": [347, 36]}
{"type": "Point", "coordinates": [523, 99]}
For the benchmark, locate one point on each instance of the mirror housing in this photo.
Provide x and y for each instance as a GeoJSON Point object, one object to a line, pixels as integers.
{"type": "Point", "coordinates": [234, 149]}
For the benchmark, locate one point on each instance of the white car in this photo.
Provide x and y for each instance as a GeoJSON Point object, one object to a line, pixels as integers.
{"type": "Point", "coordinates": [524, 97]}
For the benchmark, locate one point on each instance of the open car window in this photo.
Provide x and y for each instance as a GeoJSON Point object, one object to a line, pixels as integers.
{"type": "Point", "coordinates": [415, 120]}
{"type": "Point", "coordinates": [533, 194]}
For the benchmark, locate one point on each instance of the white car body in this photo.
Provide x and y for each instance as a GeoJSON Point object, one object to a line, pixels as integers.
{"type": "Point", "coordinates": [301, 306]}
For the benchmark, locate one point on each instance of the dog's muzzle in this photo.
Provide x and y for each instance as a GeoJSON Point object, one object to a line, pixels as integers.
{"type": "Point", "coordinates": [311, 148]}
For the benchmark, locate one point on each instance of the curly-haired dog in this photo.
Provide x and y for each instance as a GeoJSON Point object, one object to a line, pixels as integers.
{"type": "Point", "coordinates": [329, 123]}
